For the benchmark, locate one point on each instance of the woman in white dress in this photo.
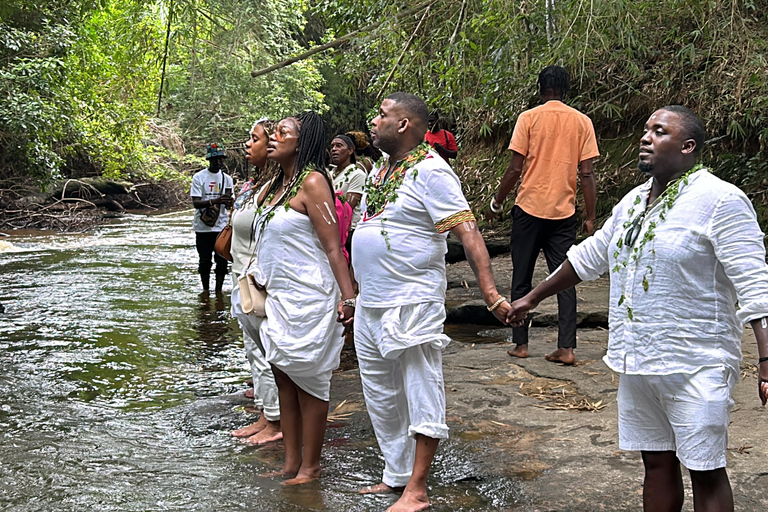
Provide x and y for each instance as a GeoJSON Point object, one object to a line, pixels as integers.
{"type": "Point", "coordinates": [265, 395]}
{"type": "Point", "coordinates": [301, 265]}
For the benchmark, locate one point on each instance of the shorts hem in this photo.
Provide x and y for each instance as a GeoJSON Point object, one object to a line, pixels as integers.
{"type": "Point", "coordinates": [647, 447]}
{"type": "Point", "coordinates": [702, 465]}
{"type": "Point", "coordinates": [433, 430]}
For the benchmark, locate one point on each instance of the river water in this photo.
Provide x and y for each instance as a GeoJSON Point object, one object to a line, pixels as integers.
{"type": "Point", "coordinates": [119, 385]}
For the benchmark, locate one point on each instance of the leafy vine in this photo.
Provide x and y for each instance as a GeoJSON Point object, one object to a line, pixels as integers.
{"type": "Point", "coordinates": [382, 189]}
{"type": "Point", "coordinates": [634, 226]}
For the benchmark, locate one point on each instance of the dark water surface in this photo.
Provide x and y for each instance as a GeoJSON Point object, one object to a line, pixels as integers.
{"type": "Point", "coordinates": [114, 383]}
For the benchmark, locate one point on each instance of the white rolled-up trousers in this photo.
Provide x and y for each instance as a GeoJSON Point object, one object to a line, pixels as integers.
{"type": "Point", "coordinates": [265, 395]}
{"type": "Point", "coordinates": [399, 351]}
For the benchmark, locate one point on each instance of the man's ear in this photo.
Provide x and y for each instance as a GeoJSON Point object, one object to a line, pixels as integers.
{"type": "Point", "coordinates": [404, 124]}
{"type": "Point", "coordinates": [689, 146]}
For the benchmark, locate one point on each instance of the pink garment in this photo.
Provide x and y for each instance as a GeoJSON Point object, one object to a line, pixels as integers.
{"type": "Point", "coordinates": [344, 214]}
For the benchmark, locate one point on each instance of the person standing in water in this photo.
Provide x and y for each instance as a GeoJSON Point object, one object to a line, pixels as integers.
{"type": "Point", "coordinates": [300, 264]}
{"type": "Point", "coordinates": [265, 395]}
{"type": "Point", "coordinates": [211, 193]}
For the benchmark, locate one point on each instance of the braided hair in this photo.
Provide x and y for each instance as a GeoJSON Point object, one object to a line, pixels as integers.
{"type": "Point", "coordinates": [310, 154]}
{"type": "Point", "coordinates": [555, 79]}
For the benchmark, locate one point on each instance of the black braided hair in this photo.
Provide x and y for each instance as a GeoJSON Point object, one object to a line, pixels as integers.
{"type": "Point", "coordinates": [555, 79]}
{"type": "Point", "coordinates": [311, 153]}
{"type": "Point", "coordinates": [692, 124]}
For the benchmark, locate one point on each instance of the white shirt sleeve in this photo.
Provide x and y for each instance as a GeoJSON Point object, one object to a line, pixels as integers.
{"type": "Point", "coordinates": [442, 194]}
{"type": "Point", "coordinates": [738, 245]}
{"type": "Point", "coordinates": [196, 188]}
{"type": "Point", "coordinates": [590, 259]}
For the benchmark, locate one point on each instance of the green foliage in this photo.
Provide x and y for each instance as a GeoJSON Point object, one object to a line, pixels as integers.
{"type": "Point", "coordinates": [214, 47]}
{"type": "Point", "coordinates": [478, 60]}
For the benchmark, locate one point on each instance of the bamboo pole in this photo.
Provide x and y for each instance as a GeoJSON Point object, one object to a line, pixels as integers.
{"type": "Point", "coordinates": [165, 58]}
{"type": "Point", "coordinates": [337, 42]}
{"type": "Point", "coordinates": [402, 54]}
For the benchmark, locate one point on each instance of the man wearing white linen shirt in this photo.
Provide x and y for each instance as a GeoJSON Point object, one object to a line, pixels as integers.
{"type": "Point", "coordinates": [682, 250]}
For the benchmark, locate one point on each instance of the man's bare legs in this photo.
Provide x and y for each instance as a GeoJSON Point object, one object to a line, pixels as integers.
{"type": "Point", "coordinates": [663, 485]}
{"type": "Point", "coordinates": [414, 496]}
{"type": "Point", "coordinates": [711, 491]}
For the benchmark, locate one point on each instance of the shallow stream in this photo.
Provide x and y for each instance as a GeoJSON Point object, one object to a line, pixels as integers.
{"type": "Point", "coordinates": [119, 385]}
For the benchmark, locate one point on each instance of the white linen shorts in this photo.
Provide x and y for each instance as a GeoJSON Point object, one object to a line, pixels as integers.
{"type": "Point", "coordinates": [687, 413]}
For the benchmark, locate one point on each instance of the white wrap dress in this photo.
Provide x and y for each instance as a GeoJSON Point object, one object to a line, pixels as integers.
{"type": "Point", "coordinates": [300, 334]}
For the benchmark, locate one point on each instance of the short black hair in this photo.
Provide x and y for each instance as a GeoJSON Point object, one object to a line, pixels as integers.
{"type": "Point", "coordinates": [412, 104]}
{"type": "Point", "coordinates": [555, 79]}
{"type": "Point", "coordinates": [692, 124]}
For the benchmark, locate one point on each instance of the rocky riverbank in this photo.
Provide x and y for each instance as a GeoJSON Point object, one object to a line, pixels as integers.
{"type": "Point", "coordinates": [80, 204]}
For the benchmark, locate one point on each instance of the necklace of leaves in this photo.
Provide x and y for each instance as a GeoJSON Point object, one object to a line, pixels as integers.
{"type": "Point", "coordinates": [285, 198]}
{"type": "Point", "coordinates": [634, 226]}
{"type": "Point", "coordinates": [383, 188]}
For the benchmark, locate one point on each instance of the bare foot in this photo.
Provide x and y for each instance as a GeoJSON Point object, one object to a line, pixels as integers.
{"type": "Point", "coordinates": [562, 355]}
{"type": "Point", "coordinates": [248, 393]}
{"type": "Point", "coordinates": [304, 476]}
{"type": "Point", "coordinates": [278, 474]}
{"type": "Point", "coordinates": [253, 428]}
{"type": "Point", "coordinates": [411, 501]}
{"type": "Point", "coordinates": [380, 488]}
{"type": "Point", "coordinates": [520, 351]}
{"type": "Point", "coordinates": [269, 434]}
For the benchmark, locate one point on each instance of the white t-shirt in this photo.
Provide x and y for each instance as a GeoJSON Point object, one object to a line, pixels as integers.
{"type": "Point", "coordinates": [351, 180]}
{"type": "Point", "coordinates": [207, 185]}
{"type": "Point", "coordinates": [407, 265]}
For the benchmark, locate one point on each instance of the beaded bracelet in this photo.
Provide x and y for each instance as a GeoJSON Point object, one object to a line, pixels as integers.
{"type": "Point", "coordinates": [496, 304]}
{"type": "Point", "coordinates": [350, 303]}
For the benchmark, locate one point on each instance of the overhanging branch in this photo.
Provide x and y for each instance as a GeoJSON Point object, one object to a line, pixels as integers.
{"type": "Point", "coordinates": [337, 42]}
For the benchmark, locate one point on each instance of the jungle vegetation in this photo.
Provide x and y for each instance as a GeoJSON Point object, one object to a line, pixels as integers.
{"type": "Point", "coordinates": [133, 89]}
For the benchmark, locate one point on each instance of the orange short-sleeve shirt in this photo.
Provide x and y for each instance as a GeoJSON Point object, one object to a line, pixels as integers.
{"type": "Point", "coordinates": [553, 138]}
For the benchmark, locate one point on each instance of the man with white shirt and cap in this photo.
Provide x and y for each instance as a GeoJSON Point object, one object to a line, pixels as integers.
{"type": "Point", "coordinates": [411, 201]}
{"type": "Point", "coordinates": [682, 250]}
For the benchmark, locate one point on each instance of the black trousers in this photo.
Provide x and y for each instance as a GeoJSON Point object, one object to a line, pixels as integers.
{"type": "Point", "coordinates": [529, 236]}
{"type": "Point", "coordinates": [204, 243]}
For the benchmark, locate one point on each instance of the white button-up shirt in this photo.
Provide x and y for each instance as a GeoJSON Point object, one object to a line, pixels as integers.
{"type": "Point", "coordinates": [707, 255]}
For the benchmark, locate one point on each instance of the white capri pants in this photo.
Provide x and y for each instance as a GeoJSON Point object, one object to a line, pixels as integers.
{"type": "Point", "coordinates": [265, 395]}
{"type": "Point", "coordinates": [400, 355]}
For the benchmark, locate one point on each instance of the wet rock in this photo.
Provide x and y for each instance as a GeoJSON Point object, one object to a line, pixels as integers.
{"type": "Point", "coordinates": [212, 414]}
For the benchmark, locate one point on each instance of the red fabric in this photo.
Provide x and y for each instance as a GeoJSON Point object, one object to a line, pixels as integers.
{"type": "Point", "coordinates": [444, 137]}
{"type": "Point", "coordinates": [344, 215]}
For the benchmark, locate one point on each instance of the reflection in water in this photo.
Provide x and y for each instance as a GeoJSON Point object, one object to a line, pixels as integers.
{"type": "Point", "coordinates": [119, 385]}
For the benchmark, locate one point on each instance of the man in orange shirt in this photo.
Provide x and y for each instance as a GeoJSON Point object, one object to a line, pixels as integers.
{"type": "Point", "coordinates": [551, 145]}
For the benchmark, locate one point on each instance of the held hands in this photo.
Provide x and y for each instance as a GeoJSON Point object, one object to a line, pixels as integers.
{"type": "Point", "coordinates": [345, 315]}
{"type": "Point", "coordinates": [518, 311]}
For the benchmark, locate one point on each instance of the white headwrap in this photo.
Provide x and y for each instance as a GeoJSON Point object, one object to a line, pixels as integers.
{"type": "Point", "coordinates": [257, 123]}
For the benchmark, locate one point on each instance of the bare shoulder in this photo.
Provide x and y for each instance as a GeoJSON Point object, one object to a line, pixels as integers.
{"type": "Point", "coordinates": [315, 184]}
